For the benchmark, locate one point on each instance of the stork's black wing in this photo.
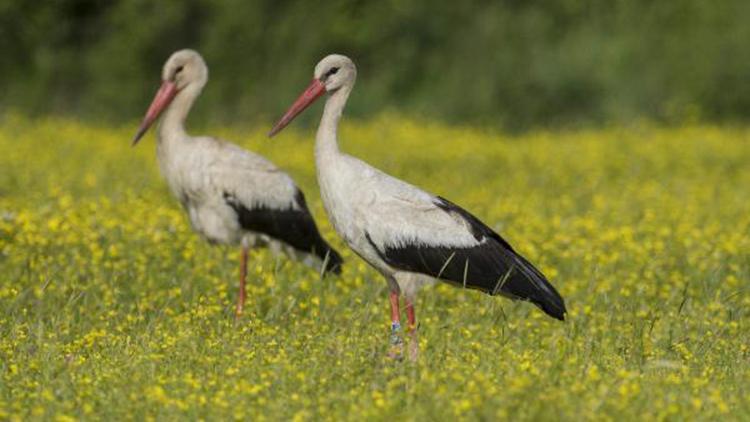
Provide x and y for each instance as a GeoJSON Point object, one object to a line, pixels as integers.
{"type": "Point", "coordinates": [492, 266]}
{"type": "Point", "coordinates": [295, 227]}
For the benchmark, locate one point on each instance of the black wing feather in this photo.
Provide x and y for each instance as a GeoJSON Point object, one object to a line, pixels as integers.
{"type": "Point", "coordinates": [492, 266]}
{"type": "Point", "coordinates": [295, 227]}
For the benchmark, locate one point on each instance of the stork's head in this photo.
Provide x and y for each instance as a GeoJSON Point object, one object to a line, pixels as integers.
{"type": "Point", "coordinates": [335, 71]}
{"type": "Point", "coordinates": [331, 74]}
{"type": "Point", "coordinates": [185, 69]}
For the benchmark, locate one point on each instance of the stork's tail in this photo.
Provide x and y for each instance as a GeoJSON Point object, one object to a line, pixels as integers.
{"type": "Point", "coordinates": [525, 282]}
{"type": "Point", "coordinates": [330, 258]}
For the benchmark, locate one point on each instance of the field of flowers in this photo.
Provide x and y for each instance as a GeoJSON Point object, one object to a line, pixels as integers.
{"type": "Point", "coordinates": [110, 307]}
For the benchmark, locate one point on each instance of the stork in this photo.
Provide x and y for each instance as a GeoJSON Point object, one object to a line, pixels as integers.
{"type": "Point", "coordinates": [412, 237]}
{"type": "Point", "coordinates": [232, 196]}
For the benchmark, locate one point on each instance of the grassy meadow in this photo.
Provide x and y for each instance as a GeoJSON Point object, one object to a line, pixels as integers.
{"type": "Point", "coordinates": [112, 308]}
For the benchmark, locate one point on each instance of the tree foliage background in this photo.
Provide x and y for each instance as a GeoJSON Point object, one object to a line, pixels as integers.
{"type": "Point", "coordinates": [511, 63]}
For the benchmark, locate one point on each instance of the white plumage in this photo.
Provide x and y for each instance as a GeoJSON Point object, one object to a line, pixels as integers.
{"type": "Point", "coordinates": [363, 201]}
{"type": "Point", "coordinates": [202, 170]}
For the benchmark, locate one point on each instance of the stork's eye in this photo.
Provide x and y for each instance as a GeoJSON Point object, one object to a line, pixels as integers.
{"type": "Point", "coordinates": [178, 70]}
{"type": "Point", "coordinates": [332, 71]}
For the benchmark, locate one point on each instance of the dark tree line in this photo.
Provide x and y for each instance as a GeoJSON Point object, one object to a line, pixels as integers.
{"type": "Point", "coordinates": [509, 63]}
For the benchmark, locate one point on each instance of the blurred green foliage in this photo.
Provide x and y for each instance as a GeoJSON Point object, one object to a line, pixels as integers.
{"type": "Point", "coordinates": [510, 63]}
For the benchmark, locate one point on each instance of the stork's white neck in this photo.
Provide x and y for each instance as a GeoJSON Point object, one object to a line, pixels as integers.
{"type": "Point", "coordinates": [172, 124]}
{"type": "Point", "coordinates": [326, 143]}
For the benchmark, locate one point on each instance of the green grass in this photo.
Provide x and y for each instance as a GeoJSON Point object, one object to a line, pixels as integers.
{"type": "Point", "coordinates": [111, 308]}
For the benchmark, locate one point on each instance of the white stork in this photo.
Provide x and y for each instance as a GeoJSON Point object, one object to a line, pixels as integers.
{"type": "Point", "coordinates": [410, 236]}
{"type": "Point", "coordinates": [231, 195]}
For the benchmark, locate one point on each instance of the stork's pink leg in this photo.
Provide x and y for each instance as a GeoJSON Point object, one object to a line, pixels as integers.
{"type": "Point", "coordinates": [395, 312]}
{"type": "Point", "coordinates": [396, 343]}
{"type": "Point", "coordinates": [243, 278]}
{"type": "Point", "coordinates": [410, 314]}
{"type": "Point", "coordinates": [413, 329]}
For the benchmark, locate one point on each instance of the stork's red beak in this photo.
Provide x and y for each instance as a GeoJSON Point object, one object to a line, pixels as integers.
{"type": "Point", "coordinates": [312, 93]}
{"type": "Point", "coordinates": [163, 97]}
